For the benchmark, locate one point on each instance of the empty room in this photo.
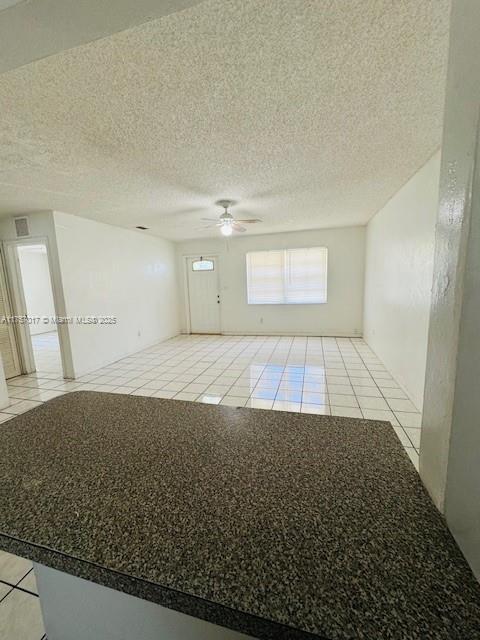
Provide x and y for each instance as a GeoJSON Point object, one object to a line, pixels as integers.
{"type": "Point", "coordinates": [239, 301]}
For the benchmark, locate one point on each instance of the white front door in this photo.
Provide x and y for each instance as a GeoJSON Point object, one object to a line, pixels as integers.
{"type": "Point", "coordinates": [203, 294]}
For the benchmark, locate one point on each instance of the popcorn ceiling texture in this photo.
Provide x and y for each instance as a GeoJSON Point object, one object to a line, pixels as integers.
{"type": "Point", "coordinates": [311, 113]}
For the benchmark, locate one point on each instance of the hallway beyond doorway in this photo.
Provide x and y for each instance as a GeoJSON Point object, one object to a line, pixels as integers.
{"type": "Point", "coordinates": [46, 352]}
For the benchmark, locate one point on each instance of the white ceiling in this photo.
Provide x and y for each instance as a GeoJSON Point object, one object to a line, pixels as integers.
{"type": "Point", "coordinates": [309, 113]}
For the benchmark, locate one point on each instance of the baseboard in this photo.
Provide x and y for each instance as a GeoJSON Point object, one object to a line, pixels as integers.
{"type": "Point", "coordinates": [301, 334]}
{"type": "Point", "coordinates": [398, 379]}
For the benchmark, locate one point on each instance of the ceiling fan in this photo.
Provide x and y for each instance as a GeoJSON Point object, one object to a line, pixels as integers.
{"type": "Point", "coordinates": [226, 222]}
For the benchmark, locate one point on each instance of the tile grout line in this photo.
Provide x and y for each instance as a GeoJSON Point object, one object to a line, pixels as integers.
{"type": "Point", "coordinates": [216, 356]}
{"type": "Point", "coordinates": [386, 399]}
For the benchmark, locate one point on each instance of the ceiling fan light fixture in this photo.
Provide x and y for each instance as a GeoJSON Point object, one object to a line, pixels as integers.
{"type": "Point", "coordinates": [226, 223]}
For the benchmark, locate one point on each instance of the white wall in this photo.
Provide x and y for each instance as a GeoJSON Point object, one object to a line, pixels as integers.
{"type": "Point", "coordinates": [398, 278]}
{"type": "Point", "coordinates": [450, 444]}
{"type": "Point", "coordinates": [37, 287]}
{"type": "Point", "coordinates": [110, 271]}
{"type": "Point", "coordinates": [42, 229]}
{"type": "Point", "coordinates": [340, 316]}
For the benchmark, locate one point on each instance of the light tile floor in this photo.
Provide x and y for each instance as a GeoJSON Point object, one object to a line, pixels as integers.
{"type": "Point", "coordinates": [20, 616]}
{"type": "Point", "coordinates": [46, 351]}
{"type": "Point", "coordinates": [338, 376]}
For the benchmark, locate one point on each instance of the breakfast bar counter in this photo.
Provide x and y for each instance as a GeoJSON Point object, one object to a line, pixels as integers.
{"type": "Point", "coordinates": [165, 519]}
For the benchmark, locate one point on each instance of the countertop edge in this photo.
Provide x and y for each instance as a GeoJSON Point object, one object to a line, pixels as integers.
{"type": "Point", "coordinates": [195, 606]}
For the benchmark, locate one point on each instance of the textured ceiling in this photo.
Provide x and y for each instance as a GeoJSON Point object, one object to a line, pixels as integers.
{"type": "Point", "coordinates": [310, 113]}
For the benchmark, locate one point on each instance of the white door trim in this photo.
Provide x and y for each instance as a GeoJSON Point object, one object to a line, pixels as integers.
{"type": "Point", "coordinates": [186, 294]}
{"type": "Point", "coordinates": [19, 307]}
{"type": "Point", "coordinates": [8, 312]}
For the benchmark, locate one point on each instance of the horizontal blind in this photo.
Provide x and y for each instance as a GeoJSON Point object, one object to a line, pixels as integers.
{"type": "Point", "coordinates": [265, 277]}
{"type": "Point", "coordinates": [306, 275]}
{"type": "Point", "coordinates": [288, 276]}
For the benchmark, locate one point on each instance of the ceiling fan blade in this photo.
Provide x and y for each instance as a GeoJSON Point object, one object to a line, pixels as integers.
{"type": "Point", "coordinates": [209, 219]}
{"type": "Point", "coordinates": [237, 227]}
{"type": "Point", "coordinates": [250, 221]}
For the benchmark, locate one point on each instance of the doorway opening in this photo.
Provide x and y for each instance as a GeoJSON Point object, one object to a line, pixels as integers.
{"type": "Point", "coordinates": [203, 294]}
{"type": "Point", "coordinates": [8, 341]}
{"type": "Point", "coordinates": [39, 339]}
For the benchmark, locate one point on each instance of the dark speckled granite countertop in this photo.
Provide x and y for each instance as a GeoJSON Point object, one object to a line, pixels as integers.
{"type": "Point", "coordinates": [280, 525]}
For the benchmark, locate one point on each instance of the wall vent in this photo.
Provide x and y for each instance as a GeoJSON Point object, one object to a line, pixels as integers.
{"type": "Point", "coordinates": [21, 227]}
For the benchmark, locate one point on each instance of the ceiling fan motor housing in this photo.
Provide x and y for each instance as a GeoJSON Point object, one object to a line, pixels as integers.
{"type": "Point", "coordinates": [226, 222]}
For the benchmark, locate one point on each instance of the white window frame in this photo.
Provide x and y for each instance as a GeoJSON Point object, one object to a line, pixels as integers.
{"type": "Point", "coordinates": [284, 278]}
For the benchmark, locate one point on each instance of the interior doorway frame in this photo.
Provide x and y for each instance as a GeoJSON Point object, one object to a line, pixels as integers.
{"type": "Point", "coordinates": [4, 284]}
{"type": "Point", "coordinates": [186, 290]}
{"type": "Point", "coordinates": [19, 307]}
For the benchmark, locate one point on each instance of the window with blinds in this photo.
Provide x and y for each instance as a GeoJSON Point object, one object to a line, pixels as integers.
{"type": "Point", "coordinates": [287, 276]}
